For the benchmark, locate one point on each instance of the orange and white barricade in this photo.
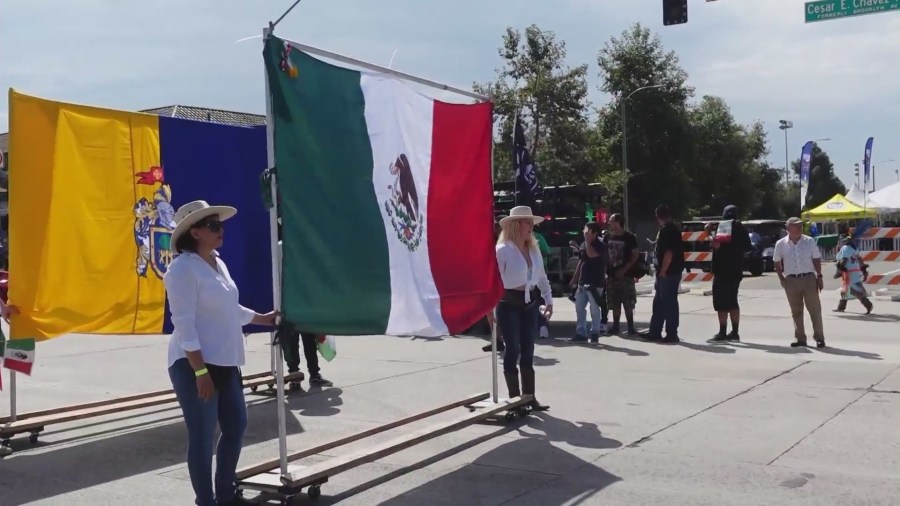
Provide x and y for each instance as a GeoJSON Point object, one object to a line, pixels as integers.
{"type": "Point", "coordinates": [695, 257]}
{"type": "Point", "coordinates": [884, 279]}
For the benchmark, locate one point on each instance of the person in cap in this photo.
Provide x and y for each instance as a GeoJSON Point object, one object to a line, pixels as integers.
{"type": "Point", "coordinates": [206, 349]}
{"type": "Point", "coordinates": [853, 273]}
{"type": "Point", "coordinates": [798, 263]}
{"type": "Point", "coordinates": [525, 283]}
{"type": "Point", "coordinates": [728, 271]}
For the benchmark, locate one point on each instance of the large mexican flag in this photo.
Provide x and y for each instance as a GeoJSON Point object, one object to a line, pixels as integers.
{"type": "Point", "coordinates": [386, 202]}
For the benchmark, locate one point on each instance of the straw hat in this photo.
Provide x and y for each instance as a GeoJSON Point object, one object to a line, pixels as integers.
{"type": "Point", "coordinates": [194, 212]}
{"type": "Point", "coordinates": [521, 213]}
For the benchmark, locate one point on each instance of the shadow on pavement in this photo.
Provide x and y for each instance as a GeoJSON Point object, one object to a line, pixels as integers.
{"type": "Point", "coordinates": [708, 348]}
{"type": "Point", "coordinates": [496, 477]}
{"type": "Point", "coordinates": [771, 348]}
{"type": "Point", "coordinates": [540, 361]}
{"type": "Point", "coordinates": [29, 476]}
{"type": "Point", "coordinates": [580, 434]}
{"type": "Point", "coordinates": [849, 353]}
{"type": "Point", "coordinates": [874, 317]}
{"type": "Point", "coordinates": [317, 402]}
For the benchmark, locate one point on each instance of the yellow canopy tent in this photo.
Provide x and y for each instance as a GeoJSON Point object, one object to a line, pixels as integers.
{"type": "Point", "coordinates": [839, 208]}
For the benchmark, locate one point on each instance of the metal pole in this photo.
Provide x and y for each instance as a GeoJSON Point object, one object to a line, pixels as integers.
{"type": "Point", "coordinates": [495, 382]}
{"type": "Point", "coordinates": [873, 177]}
{"type": "Point", "coordinates": [787, 168]}
{"type": "Point", "coordinates": [12, 396]}
{"type": "Point", "coordinates": [276, 274]}
{"type": "Point", "coordinates": [624, 165]}
{"type": "Point", "coordinates": [378, 68]}
{"type": "Point", "coordinates": [273, 25]}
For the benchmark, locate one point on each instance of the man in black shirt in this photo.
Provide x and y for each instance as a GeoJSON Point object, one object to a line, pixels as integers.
{"type": "Point", "coordinates": [623, 257]}
{"type": "Point", "coordinates": [590, 279]}
{"type": "Point", "coordinates": [670, 264]}
{"type": "Point", "coordinates": [728, 269]}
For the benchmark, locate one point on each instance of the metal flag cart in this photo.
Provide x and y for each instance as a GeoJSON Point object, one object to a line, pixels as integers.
{"type": "Point", "coordinates": [279, 479]}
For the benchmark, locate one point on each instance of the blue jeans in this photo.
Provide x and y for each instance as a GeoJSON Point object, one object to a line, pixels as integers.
{"type": "Point", "coordinates": [583, 299]}
{"type": "Point", "coordinates": [520, 329]}
{"type": "Point", "coordinates": [226, 407]}
{"type": "Point", "coordinates": [665, 305]}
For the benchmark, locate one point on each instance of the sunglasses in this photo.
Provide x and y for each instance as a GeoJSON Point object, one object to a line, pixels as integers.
{"type": "Point", "coordinates": [213, 225]}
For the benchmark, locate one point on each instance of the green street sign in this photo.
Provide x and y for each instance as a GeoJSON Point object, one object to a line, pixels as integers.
{"type": "Point", "coordinates": [823, 10]}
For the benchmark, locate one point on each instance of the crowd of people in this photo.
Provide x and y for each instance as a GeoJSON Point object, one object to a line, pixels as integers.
{"type": "Point", "coordinates": [610, 263]}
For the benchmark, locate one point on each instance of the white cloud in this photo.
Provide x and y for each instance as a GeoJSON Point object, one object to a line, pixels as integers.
{"type": "Point", "coordinates": [837, 79]}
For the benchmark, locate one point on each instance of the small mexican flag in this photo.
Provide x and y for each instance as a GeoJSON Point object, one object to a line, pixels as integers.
{"type": "Point", "coordinates": [386, 201]}
{"type": "Point", "coordinates": [19, 355]}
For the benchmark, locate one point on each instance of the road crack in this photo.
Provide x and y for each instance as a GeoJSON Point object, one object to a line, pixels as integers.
{"type": "Point", "coordinates": [646, 438]}
{"type": "Point", "coordinates": [868, 390]}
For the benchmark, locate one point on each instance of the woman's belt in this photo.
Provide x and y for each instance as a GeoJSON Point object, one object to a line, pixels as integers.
{"type": "Point", "coordinates": [517, 297]}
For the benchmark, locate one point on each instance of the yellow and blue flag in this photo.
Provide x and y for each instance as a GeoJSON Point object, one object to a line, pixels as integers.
{"type": "Point", "coordinates": [92, 201]}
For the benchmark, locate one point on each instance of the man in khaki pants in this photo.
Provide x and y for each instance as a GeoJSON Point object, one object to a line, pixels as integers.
{"type": "Point", "coordinates": [798, 263]}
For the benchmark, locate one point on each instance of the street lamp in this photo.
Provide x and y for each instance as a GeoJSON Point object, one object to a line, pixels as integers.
{"type": "Point", "coordinates": [785, 125]}
{"type": "Point", "coordinates": [873, 173]}
{"type": "Point", "coordinates": [625, 149]}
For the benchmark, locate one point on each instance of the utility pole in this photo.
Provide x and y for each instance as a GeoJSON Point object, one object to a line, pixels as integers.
{"type": "Point", "coordinates": [786, 125]}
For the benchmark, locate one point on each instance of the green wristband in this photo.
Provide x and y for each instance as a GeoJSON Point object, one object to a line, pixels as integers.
{"type": "Point", "coordinates": [200, 372]}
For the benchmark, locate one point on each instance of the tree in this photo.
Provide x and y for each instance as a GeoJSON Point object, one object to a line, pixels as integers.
{"type": "Point", "coordinates": [823, 184]}
{"type": "Point", "coordinates": [551, 99]}
{"type": "Point", "coordinates": [656, 119]}
{"type": "Point", "coordinates": [726, 159]}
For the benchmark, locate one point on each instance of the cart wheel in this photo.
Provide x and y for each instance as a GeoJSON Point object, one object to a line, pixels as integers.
{"type": "Point", "coordinates": [270, 385]}
{"type": "Point", "coordinates": [254, 388]}
{"type": "Point", "coordinates": [5, 443]}
{"type": "Point", "coordinates": [510, 416]}
{"type": "Point", "coordinates": [314, 492]}
{"type": "Point", "coordinates": [33, 438]}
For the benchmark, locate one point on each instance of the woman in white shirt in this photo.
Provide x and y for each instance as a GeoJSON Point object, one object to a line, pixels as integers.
{"type": "Point", "coordinates": [525, 283]}
{"type": "Point", "coordinates": [206, 350]}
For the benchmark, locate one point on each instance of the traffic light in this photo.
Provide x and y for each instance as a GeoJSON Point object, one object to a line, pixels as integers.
{"type": "Point", "coordinates": [674, 12]}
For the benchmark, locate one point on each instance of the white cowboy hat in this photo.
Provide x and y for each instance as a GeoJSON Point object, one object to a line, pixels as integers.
{"type": "Point", "coordinates": [192, 213]}
{"type": "Point", "coordinates": [521, 213]}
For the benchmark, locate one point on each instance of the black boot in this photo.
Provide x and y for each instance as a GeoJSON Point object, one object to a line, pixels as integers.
{"type": "Point", "coordinates": [868, 304]}
{"type": "Point", "coordinates": [528, 389]}
{"type": "Point", "coordinates": [842, 306]}
{"type": "Point", "coordinates": [512, 383]}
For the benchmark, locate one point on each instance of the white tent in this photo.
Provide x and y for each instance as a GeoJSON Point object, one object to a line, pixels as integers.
{"type": "Point", "coordinates": [856, 195]}
{"type": "Point", "coordinates": [887, 198]}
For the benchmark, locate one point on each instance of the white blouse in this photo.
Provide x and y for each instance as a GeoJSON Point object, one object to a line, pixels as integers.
{"type": "Point", "coordinates": [205, 311]}
{"type": "Point", "coordinates": [514, 271]}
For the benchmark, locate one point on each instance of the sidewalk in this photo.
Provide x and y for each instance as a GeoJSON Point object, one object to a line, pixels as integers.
{"type": "Point", "coordinates": [632, 423]}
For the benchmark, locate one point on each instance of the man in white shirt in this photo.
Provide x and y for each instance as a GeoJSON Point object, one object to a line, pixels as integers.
{"type": "Point", "coordinates": [798, 263]}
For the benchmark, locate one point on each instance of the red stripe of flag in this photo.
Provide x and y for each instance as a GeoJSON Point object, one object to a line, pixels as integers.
{"type": "Point", "coordinates": [461, 214]}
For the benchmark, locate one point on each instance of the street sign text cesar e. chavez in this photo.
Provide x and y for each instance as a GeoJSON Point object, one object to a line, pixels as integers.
{"type": "Point", "coordinates": [823, 10]}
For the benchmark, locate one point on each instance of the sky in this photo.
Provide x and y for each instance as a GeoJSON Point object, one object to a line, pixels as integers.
{"type": "Point", "coordinates": [837, 80]}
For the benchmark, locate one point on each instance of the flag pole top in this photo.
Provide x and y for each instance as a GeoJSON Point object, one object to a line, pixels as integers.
{"type": "Point", "coordinates": [288, 11]}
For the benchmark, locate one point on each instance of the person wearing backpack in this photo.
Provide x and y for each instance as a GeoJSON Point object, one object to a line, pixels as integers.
{"type": "Point", "coordinates": [622, 247]}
